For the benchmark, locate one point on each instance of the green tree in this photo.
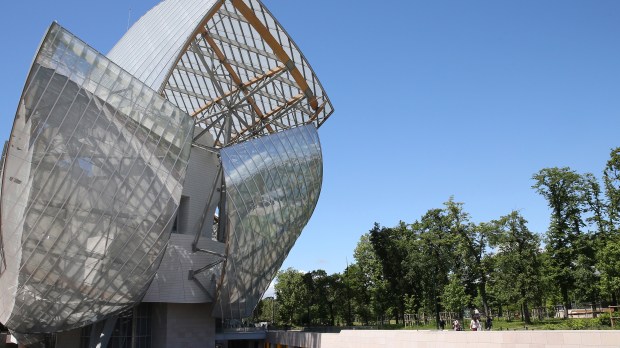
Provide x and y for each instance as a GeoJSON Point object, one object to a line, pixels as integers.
{"type": "Point", "coordinates": [550, 292]}
{"type": "Point", "coordinates": [265, 310]}
{"type": "Point", "coordinates": [356, 295]}
{"type": "Point", "coordinates": [369, 285]}
{"type": "Point", "coordinates": [436, 244]}
{"type": "Point", "coordinates": [587, 279]}
{"type": "Point", "coordinates": [326, 291]}
{"type": "Point", "coordinates": [592, 196]}
{"type": "Point", "coordinates": [517, 273]}
{"type": "Point", "coordinates": [609, 247]}
{"type": "Point", "coordinates": [611, 180]}
{"type": "Point", "coordinates": [336, 299]}
{"type": "Point", "coordinates": [419, 270]}
{"type": "Point", "coordinates": [563, 189]}
{"type": "Point", "coordinates": [390, 246]}
{"type": "Point", "coordinates": [454, 298]}
{"type": "Point", "coordinates": [291, 296]}
{"type": "Point", "coordinates": [609, 266]}
{"type": "Point", "coordinates": [309, 296]}
{"type": "Point", "coordinates": [471, 242]}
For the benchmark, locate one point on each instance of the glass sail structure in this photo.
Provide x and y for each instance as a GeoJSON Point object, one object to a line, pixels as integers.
{"type": "Point", "coordinates": [233, 67]}
{"type": "Point", "coordinates": [92, 178]}
{"type": "Point", "coordinates": [95, 174]}
{"type": "Point", "coordinates": [272, 187]}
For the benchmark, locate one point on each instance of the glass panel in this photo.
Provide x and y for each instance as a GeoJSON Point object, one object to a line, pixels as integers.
{"type": "Point", "coordinates": [272, 186]}
{"type": "Point", "coordinates": [94, 171]}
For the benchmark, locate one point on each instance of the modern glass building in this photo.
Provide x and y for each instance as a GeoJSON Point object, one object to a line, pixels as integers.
{"type": "Point", "coordinates": [152, 191]}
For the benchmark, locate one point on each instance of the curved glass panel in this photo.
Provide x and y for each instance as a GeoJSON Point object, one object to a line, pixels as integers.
{"type": "Point", "coordinates": [93, 176]}
{"type": "Point", "coordinates": [272, 187]}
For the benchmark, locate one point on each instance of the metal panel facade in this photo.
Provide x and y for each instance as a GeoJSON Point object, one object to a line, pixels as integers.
{"type": "Point", "coordinates": [149, 49]}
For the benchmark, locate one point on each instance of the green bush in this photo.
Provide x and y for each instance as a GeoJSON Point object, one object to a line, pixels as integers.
{"type": "Point", "coordinates": [578, 324]}
{"type": "Point", "coordinates": [603, 319]}
{"type": "Point", "coordinates": [550, 327]}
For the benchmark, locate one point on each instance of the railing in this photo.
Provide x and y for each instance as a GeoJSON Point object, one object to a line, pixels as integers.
{"type": "Point", "coordinates": [240, 329]}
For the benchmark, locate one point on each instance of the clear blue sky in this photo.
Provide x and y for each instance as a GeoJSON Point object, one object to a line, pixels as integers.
{"type": "Point", "coordinates": [432, 99]}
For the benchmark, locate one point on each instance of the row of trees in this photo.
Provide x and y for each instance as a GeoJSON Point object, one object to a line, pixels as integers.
{"type": "Point", "coordinates": [446, 262]}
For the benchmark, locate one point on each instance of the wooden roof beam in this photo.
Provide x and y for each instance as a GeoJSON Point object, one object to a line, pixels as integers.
{"type": "Point", "coordinates": [276, 47]}
{"type": "Point", "coordinates": [279, 108]}
{"type": "Point", "coordinates": [233, 74]}
{"type": "Point", "coordinates": [243, 86]}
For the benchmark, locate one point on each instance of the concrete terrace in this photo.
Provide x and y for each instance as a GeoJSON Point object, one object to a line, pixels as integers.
{"type": "Point", "coordinates": [446, 339]}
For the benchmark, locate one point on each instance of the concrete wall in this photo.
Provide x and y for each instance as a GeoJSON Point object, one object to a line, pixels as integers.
{"type": "Point", "coordinates": [171, 282]}
{"type": "Point", "coordinates": [68, 339]}
{"type": "Point", "coordinates": [182, 325]}
{"type": "Point", "coordinates": [447, 339]}
{"type": "Point", "coordinates": [201, 173]}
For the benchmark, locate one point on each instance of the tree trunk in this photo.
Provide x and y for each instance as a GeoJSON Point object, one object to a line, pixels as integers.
{"type": "Point", "coordinates": [483, 294]}
{"type": "Point", "coordinates": [437, 313]}
{"type": "Point", "coordinates": [526, 314]}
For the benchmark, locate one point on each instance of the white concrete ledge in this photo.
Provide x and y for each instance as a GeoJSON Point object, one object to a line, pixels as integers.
{"type": "Point", "coordinates": [447, 339]}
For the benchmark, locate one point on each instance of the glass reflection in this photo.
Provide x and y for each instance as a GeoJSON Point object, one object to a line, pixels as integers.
{"type": "Point", "coordinates": [272, 187]}
{"type": "Point", "coordinates": [93, 177]}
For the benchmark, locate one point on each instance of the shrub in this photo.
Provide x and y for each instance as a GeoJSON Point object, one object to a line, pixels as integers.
{"type": "Point", "coordinates": [578, 324]}
{"type": "Point", "coordinates": [603, 319]}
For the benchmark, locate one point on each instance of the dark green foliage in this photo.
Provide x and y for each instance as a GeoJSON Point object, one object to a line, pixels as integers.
{"type": "Point", "coordinates": [390, 246]}
{"type": "Point", "coordinates": [611, 180]}
{"type": "Point", "coordinates": [454, 296]}
{"type": "Point", "coordinates": [563, 189]}
{"type": "Point", "coordinates": [517, 263]}
{"type": "Point", "coordinates": [609, 267]}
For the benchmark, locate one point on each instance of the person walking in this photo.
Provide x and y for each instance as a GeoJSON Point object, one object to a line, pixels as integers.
{"type": "Point", "coordinates": [456, 325]}
{"type": "Point", "coordinates": [489, 323]}
{"type": "Point", "coordinates": [474, 325]}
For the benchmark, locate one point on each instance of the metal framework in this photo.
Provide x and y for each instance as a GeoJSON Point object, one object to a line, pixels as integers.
{"type": "Point", "coordinates": [238, 72]}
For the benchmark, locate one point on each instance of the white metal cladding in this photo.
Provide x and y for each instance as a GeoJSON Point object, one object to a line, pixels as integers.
{"type": "Point", "coordinates": [150, 48]}
{"type": "Point", "coordinates": [272, 187]}
{"type": "Point", "coordinates": [93, 176]}
{"type": "Point", "coordinates": [228, 63]}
